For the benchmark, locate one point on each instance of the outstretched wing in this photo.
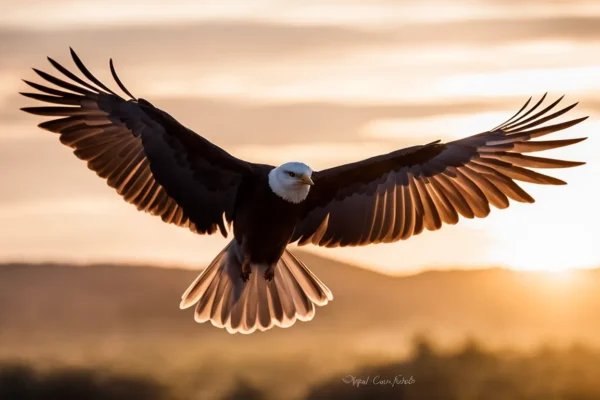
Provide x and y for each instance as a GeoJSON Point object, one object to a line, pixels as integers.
{"type": "Point", "coordinates": [396, 195]}
{"type": "Point", "coordinates": [151, 160]}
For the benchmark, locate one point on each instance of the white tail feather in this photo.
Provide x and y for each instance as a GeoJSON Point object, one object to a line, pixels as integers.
{"type": "Point", "coordinates": [224, 299]}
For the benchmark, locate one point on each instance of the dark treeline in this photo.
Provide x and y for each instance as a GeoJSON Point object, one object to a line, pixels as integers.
{"type": "Point", "coordinates": [21, 382]}
{"type": "Point", "coordinates": [468, 373]}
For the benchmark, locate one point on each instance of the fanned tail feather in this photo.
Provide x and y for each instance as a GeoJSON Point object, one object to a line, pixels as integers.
{"type": "Point", "coordinates": [224, 299]}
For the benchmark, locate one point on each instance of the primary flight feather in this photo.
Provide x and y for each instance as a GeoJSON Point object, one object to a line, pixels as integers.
{"type": "Point", "coordinates": [166, 169]}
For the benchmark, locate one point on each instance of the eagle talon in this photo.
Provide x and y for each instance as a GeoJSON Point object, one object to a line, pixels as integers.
{"type": "Point", "coordinates": [246, 270]}
{"type": "Point", "coordinates": [269, 274]}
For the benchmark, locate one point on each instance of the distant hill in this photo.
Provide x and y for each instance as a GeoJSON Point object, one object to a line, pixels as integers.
{"type": "Point", "coordinates": [496, 304]}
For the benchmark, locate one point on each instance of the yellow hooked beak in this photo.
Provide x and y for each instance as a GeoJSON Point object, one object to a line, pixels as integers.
{"type": "Point", "coordinates": [306, 180]}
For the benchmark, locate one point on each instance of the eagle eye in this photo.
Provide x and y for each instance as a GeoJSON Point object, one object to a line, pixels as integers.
{"type": "Point", "coordinates": [293, 175]}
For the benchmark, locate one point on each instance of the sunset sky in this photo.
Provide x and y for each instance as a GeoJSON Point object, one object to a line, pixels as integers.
{"type": "Point", "coordinates": [319, 81]}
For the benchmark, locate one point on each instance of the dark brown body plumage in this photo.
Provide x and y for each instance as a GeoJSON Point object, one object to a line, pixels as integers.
{"type": "Point", "coordinates": [263, 222]}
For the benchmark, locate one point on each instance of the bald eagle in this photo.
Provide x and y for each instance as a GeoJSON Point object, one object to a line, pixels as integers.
{"type": "Point", "coordinates": [167, 170]}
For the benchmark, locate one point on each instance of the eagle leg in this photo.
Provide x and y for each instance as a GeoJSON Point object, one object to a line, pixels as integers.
{"type": "Point", "coordinates": [246, 270]}
{"type": "Point", "coordinates": [270, 272]}
{"type": "Point", "coordinates": [246, 266]}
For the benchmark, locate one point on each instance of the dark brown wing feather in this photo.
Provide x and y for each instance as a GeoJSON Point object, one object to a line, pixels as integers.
{"type": "Point", "coordinates": [146, 155]}
{"type": "Point", "coordinates": [397, 195]}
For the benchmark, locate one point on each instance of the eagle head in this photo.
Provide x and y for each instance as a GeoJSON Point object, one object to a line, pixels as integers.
{"type": "Point", "coordinates": [291, 181]}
